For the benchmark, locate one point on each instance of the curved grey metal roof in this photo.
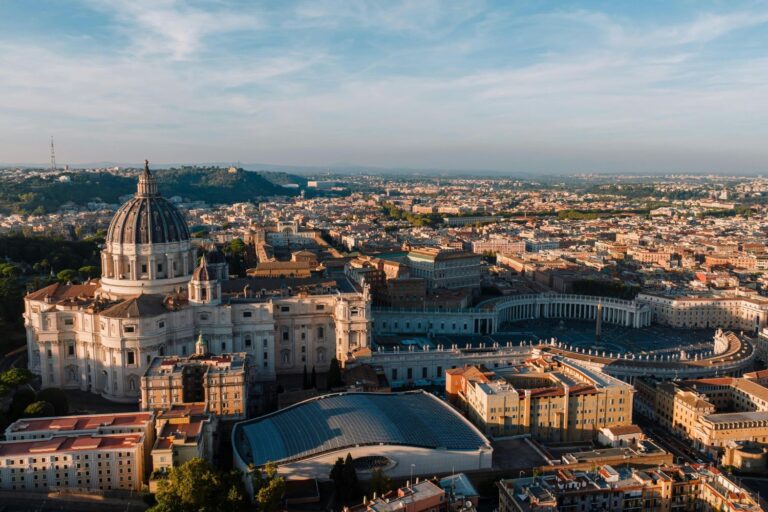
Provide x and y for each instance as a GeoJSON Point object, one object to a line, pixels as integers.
{"type": "Point", "coordinates": [335, 422]}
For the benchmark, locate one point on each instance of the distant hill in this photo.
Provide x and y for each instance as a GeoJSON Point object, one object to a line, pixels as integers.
{"type": "Point", "coordinates": [213, 185]}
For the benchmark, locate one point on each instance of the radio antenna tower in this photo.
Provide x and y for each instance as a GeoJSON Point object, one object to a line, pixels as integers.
{"type": "Point", "coordinates": [53, 156]}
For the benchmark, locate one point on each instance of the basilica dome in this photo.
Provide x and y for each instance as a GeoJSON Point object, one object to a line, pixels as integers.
{"type": "Point", "coordinates": [147, 219]}
{"type": "Point", "coordinates": [147, 248]}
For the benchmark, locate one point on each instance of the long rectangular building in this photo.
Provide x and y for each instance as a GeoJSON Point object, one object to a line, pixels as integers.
{"type": "Point", "coordinates": [552, 399]}
{"type": "Point", "coordinates": [73, 463]}
{"type": "Point", "coordinates": [102, 452]}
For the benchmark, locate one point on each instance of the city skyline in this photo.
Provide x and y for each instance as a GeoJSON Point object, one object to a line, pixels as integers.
{"type": "Point", "coordinates": [526, 88]}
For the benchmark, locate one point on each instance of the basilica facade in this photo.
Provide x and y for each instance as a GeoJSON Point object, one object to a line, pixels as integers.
{"type": "Point", "coordinates": [155, 298]}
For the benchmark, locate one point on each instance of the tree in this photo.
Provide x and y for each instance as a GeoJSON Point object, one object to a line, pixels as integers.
{"type": "Point", "coordinates": [39, 409]}
{"type": "Point", "coordinates": [16, 377]}
{"type": "Point", "coordinates": [235, 254]}
{"type": "Point", "coordinates": [57, 398]}
{"type": "Point", "coordinates": [268, 488]}
{"type": "Point", "coordinates": [334, 374]}
{"type": "Point", "coordinates": [196, 485]}
{"type": "Point", "coordinates": [351, 485]}
{"type": "Point", "coordinates": [313, 379]}
{"type": "Point", "coordinates": [380, 482]}
{"type": "Point", "coordinates": [337, 475]}
{"type": "Point", "coordinates": [11, 303]}
{"type": "Point", "coordinates": [9, 270]}
{"type": "Point", "coordinates": [22, 397]}
{"type": "Point", "coordinates": [89, 271]}
{"type": "Point", "coordinates": [67, 275]}
{"type": "Point", "coordinates": [271, 495]}
{"type": "Point", "coordinates": [345, 482]}
{"type": "Point", "coordinates": [305, 379]}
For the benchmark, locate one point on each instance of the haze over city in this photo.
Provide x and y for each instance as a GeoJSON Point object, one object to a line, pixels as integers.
{"type": "Point", "coordinates": [518, 87]}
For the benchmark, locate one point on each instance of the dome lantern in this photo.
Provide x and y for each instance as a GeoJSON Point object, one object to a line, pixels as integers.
{"type": "Point", "coordinates": [147, 183]}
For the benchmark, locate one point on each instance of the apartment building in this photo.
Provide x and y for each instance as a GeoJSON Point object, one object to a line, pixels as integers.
{"type": "Point", "coordinates": [220, 382]}
{"type": "Point", "coordinates": [715, 414]}
{"type": "Point", "coordinates": [556, 400]}
{"type": "Point", "coordinates": [665, 488]}
{"type": "Point", "coordinates": [423, 496]}
{"type": "Point", "coordinates": [498, 244]}
{"type": "Point", "coordinates": [442, 268]}
{"type": "Point", "coordinates": [184, 432]}
{"type": "Point", "coordinates": [74, 463]}
{"type": "Point", "coordinates": [734, 312]}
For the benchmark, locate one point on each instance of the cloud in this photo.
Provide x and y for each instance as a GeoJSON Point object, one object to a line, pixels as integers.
{"type": "Point", "coordinates": [701, 28]}
{"type": "Point", "coordinates": [428, 19]}
{"type": "Point", "coordinates": [406, 83]}
{"type": "Point", "coordinates": [173, 28]}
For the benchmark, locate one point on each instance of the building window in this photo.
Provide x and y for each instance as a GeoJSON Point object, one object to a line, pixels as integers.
{"type": "Point", "coordinates": [71, 350]}
{"type": "Point", "coordinates": [320, 307]}
{"type": "Point", "coordinates": [143, 268]}
{"type": "Point", "coordinates": [129, 328]}
{"type": "Point", "coordinates": [285, 333]}
{"type": "Point", "coordinates": [160, 324]}
{"type": "Point", "coordinates": [285, 309]}
{"type": "Point", "coordinates": [248, 341]}
{"type": "Point", "coordinates": [159, 267]}
{"type": "Point", "coordinates": [69, 321]}
{"type": "Point", "coordinates": [131, 357]}
{"type": "Point", "coordinates": [247, 314]}
{"type": "Point", "coordinates": [320, 332]}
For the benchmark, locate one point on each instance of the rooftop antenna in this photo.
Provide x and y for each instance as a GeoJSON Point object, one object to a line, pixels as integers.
{"type": "Point", "coordinates": [53, 156]}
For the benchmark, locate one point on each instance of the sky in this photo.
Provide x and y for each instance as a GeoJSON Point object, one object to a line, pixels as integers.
{"type": "Point", "coordinates": [509, 86]}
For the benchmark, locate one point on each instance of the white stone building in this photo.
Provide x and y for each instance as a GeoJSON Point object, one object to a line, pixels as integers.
{"type": "Point", "coordinates": [153, 300]}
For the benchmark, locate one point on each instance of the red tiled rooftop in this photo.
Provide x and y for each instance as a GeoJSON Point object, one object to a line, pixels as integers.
{"type": "Point", "coordinates": [68, 443]}
{"type": "Point", "coordinates": [58, 291]}
{"type": "Point", "coordinates": [75, 423]}
{"type": "Point", "coordinates": [544, 392]}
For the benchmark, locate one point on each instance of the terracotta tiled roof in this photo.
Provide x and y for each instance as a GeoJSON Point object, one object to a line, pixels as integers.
{"type": "Point", "coordinates": [58, 292]}
{"type": "Point", "coordinates": [144, 306]}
